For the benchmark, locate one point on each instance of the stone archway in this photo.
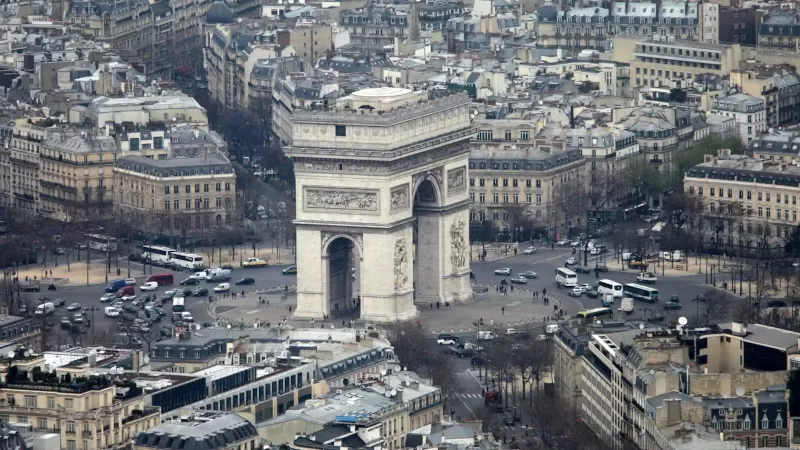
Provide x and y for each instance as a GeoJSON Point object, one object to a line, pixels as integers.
{"type": "Point", "coordinates": [341, 253]}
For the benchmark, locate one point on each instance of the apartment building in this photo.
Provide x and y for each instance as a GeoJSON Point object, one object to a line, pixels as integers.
{"type": "Point", "coordinates": [228, 431]}
{"type": "Point", "coordinates": [657, 61]}
{"type": "Point", "coordinates": [749, 113]}
{"type": "Point", "coordinates": [709, 23]}
{"type": "Point", "coordinates": [741, 25]}
{"type": "Point", "coordinates": [311, 41]}
{"type": "Point", "coordinates": [780, 30]}
{"type": "Point", "coordinates": [574, 28]}
{"type": "Point", "coordinates": [607, 152]}
{"type": "Point", "coordinates": [23, 141]}
{"type": "Point", "coordinates": [638, 386]}
{"type": "Point", "coordinates": [186, 196]}
{"type": "Point", "coordinates": [516, 175]}
{"type": "Point", "coordinates": [77, 174]}
{"type": "Point", "coordinates": [376, 29]}
{"type": "Point", "coordinates": [765, 191]}
{"type": "Point", "coordinates": [104, 112]}
{"type": "Point", "coordinates": [779, 86]}
{"type": "Point", "coordinates": [88, 411]}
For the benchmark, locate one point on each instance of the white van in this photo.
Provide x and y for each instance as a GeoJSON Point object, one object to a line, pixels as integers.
{"type": "Point", "coordinates": [486, 335]}
{"type": "Point", "coordinates": [551, 329]}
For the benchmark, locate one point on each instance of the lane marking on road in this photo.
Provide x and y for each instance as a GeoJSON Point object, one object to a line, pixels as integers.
{"type": "Point", "coordinates": [546, 260]}
{"type": "Point", "coordinates": [252, 312]}
{"type": "Point", "coordinates": [514, 303]}
{"type": "Point", "coordinates": [467, 406]}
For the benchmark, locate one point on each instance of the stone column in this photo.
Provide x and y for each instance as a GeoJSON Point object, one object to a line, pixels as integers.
{"type": "Point", "coordinates": [429, 256]}
{"type": "Point", "coordinates": [456, 287]}
{"type": "Point", "coordinates": [312, 274]}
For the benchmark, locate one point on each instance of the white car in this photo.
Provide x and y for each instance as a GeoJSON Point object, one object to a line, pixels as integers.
{"type": "Point", "coordinates": [130, 281]}
{"type": "Point", "coordinates": [530, 250]}
{"type": "Point", "coordinates": [446, 341]}
{"type": "Point", "coordinates": [222, 287]}
{"type": "Point", "coordinates": [128, 298]}
{"type": "Point", "coordinates": [575, 243]}
{"type": "Point", "coordinates": [511, 331]}
{"type": "Point", "coordinates": [584, 287]}
{"type": "Point", "coordinates": [108, 298]}
{"type": "Point", "coordinates": [571, 261]}
{"type": "Point", "coordinates": [149, 286]}
{"type": "Point", "coordinates": [504, 271]}
{"type": "Point", "coordinates": [541, 338]}
{"type": "Point", "coordinates": [562, 243]}
{"type": "Point", "coordinates": [77, 318]}
{"type": "Point", "coordinates": [626, 255]}
{"type": "Point", "coordinates": [594, 252]}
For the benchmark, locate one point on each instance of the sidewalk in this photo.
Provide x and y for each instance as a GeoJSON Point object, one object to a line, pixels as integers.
{"type": "Point", "coordinates": [663, 268]}
{"type": "Point", "coordinates": [270, 254]}
{"type": "Point", "coordinates": [76, 274]}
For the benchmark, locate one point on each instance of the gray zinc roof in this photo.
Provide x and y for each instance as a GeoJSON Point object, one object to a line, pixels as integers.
{"type": "Point", "coordinates": [216, 431]}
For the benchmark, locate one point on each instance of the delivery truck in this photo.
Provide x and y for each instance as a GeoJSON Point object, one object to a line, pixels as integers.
{"type": "Point", "coordinates": [44, 309]}
{"type": "Point", "coordinates": [627, 306]}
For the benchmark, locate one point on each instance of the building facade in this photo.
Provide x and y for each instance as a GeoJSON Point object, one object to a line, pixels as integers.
{"type": "Point", "coordinates": [183, 196]}
{"type": "Point", "coordinates": [749, 113]}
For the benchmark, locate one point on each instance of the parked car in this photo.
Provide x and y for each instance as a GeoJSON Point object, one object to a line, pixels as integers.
{"type": "Point", "coordinates": [528, 274]}
{"type": "Point", "coordinates": [529, 251]}
{"type": "Point", "coordinates": [200, 292]}
{"type": "Point", "coordinates": [244, 281]}
{"type": "Point", "coordinates": [519, 280]}
{"type": "Point", "coordinates": [503, 272]}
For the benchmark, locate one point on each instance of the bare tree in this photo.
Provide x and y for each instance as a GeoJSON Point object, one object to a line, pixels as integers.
{"type": "Point", "coordinates": [568, 203]}
{"type": "Point", "coordinates": [714, 307]}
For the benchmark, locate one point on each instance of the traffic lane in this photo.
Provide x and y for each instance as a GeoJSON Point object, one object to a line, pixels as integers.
{"type": "Point", "coordinates": [266, 277]}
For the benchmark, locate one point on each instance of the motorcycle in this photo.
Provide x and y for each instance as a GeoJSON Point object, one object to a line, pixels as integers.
{"type": "Point", "coordinates": [52, 287]}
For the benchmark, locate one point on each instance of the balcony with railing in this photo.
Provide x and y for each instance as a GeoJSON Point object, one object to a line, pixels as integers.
{"type": "Point", "coordinates": [656, 161]}
{"type": "Point", "coordinates": [54, 185]}
{"type": "Point", "coordinates": [24, 162]}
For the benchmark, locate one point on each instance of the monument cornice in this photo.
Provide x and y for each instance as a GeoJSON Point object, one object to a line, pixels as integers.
{"type": "Point", "coordinates": [355, 161]}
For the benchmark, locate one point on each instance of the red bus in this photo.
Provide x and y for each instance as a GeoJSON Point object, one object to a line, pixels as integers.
{"type": "Point", "coordinates": [161, 279]}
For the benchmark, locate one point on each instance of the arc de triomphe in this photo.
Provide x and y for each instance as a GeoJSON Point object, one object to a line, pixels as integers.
{"type": "Point", "coordinates": [381, 180]}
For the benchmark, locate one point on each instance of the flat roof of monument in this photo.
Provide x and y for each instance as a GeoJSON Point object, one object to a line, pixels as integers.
{"type": "Point", "coordinates": [381, 92]}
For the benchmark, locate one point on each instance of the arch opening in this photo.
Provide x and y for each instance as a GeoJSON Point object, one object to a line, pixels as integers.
{"type": "Point", "coordinates": [343, 257]}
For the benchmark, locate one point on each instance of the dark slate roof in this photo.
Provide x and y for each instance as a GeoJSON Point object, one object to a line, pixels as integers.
{"type": "Point", "coordinates": [160, 9]}
{"type": "Point", "coordinates": [213, 164]}
{"type": "Point", "coordinates": [343, 64]}
{"type": "Point", "coordinates": [219, 12]}
{"type": "Point", "coordinates": [220, 430]}
{"type": "Point", "coordinates": [414, 440]}
{"type": "Point", "coordinates": [547, 13]}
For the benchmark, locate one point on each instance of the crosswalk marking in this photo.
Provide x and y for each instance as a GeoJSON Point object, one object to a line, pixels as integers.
{"type": "Point", "coordinates": [462, 395]}
{"type": "Point", "coordinates": [514, 303]}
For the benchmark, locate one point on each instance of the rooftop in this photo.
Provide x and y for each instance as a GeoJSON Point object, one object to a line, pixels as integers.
{"type": "Point", "coordinates": [765, 335]}
{"type": "Point", "coordinates": [355, 405]}
{"type": "Point", "coordinates": [204, 430]}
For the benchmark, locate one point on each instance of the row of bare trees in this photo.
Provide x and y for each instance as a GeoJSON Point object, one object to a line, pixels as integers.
{"type": "Point", "coordinates": [517, 367]}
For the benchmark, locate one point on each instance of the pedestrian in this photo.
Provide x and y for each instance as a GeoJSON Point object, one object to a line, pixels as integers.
{"type": "Point", "coordinates": [343, 324]}
{"type": "Point", "coordinates": [242, 292]}
{"type": "Point", "coordinates": [503, 309]}
{"type": "Point", "coordinates": [286, 289]}
{"type": "Point", "coordinates": [431, 305]}
{"type": "Point", "coordinates": [544, 291]}
{"type": "Point", "coordinates": [290, 308]}
{"type": "Point", "coordinates": [438, 304]}
{"type": "Point", "coordinates": [512, 288]}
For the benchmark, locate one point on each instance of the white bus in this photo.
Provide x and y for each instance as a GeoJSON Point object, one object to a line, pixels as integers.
{"type": "Point", "coordinates": [566, 277]}
{"type": "Point", "coordinates": [157, 253]}
{"type": "Point", "coordinates": [101, 243]}
{"type": "Point", "coordinates": [640, 292]}
{"type": "Point", "coordinates": [188, 260]}
{"type": "Point", "coordinates": [177, 304]}
{"type": "Point", "coordinates": [608, 287]}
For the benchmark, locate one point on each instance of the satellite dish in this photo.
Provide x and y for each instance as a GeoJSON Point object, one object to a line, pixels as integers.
{"type": "Point", "coordinates": [26, 353]}
{"type": "Point", "coordinates": [683, 321]}
{"type": "Point", "coordinates": [11, 354]}
{"type": "Point", "coordinates": [394, 392]}
{"type": "Point", "coordinates": [641, 326]}
{"type": "Point", "coordinates": [387, 394]}
{"type": "Point", "coordinates": [739, 391]}
{"type": "Point", "coordinates": [229, 326]}
{"type": "Point", "coordinates": [383, 372]}
{"type": "Point", "coordinates": [398, 368]}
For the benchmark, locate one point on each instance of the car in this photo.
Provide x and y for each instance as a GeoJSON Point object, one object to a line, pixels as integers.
{"type": "Point", "coordinates": [529, 251]}
{"type": "Point", "coordinates": [585, 287]}
{"type": "Point", "coordinates": [508, 421]}
{"type": "Point", "coordinates": [171, 293]}
{"type": "Point", "coordinates": [226, 267]}
{"type": "Point", "coordinates": [511, 331]}
{"type": "Point", "coordinates": [77, 318]}
{"type": "Point", "coordinates": [503, 272]}
{"type": "Point", "coordinates": [571, 261]}
{"type": "Point", "coordinates": [672, 305]}
{"type": "Point", "coordinates": [108, 298]}
{"type": "Point", "coordinates": [59, 302]}
{"type": "Point", "coordinates": [575, 292]}
{"type": "Point", "coordinates": [118, 304]}
{"type": "Point", "coordinates": [528, 274]}
{"type": "Point", "coordinates": [562, 243]}
{"type": "Point", "coordinates": [199, 292]}
{"type": "Point", "coordinates": [81, 246]}
{"type": "Point", "coordinates": [601, 268]}
{"type": "Point", "coordinates": [160, 311]}
{"type": "Point", "coordinates": [244, 281]}
{"type": "Point", "coordinates": [541, 338]}
{"type": "Point", "coordinates": [188, 292]}
{"type": "Point", "coordinates": [74, 307]}
{"type": "Point", "coordinates": [445, 341]}
{"type": "Point", "coordinates": [130, 308]}
{"type": "Point", "coordinates": [139, 302]}
{"type": "Point", "coordinates": [448, 337]}
{"type": "Point", "coordinates": [149, 286]}
{"type": "Point", "coordinates": [575, 243]}
{"type": "Point", "coordinates": [592, 293]}
{"type": "Point", "coordinates": [699, 298]}
{"type": "Point", "coordinates": [222, 287]}
{"type": "Point", "coordinates": [254, 262]}
{"type": "Point", "coordinates": [656, 318]}
{"type": "Point", "coordinates": [30, 288]}
{"type": "Point", "coordinates": [582, 269]}
{"type": "Point", "coordinates": [777, 304]}
{"type": "Point", "coordinates": [190, 282]}
{"type": "Point", "coordinates": [519, 280]}
{"type": "Point", "coordinates": [594, 252]}
{"type": "Point", "coordinates": [128, 298]}
{"type": "Point", "coordinates": [291, 270]}
{"type": "Point", "coordinates": [130, 281]}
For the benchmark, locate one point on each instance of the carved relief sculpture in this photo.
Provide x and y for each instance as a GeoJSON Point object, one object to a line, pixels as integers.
{"type": "Point", "coordinates": [458, 245]}
{"type": "Point", "coordinates": [456, 180]}
{"type": "Point", "coordinates": [399, 197]}
{"type": "Point", "coordinates": [341, 199]}
{"type": "Point", "coordinates": [400, 264]}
